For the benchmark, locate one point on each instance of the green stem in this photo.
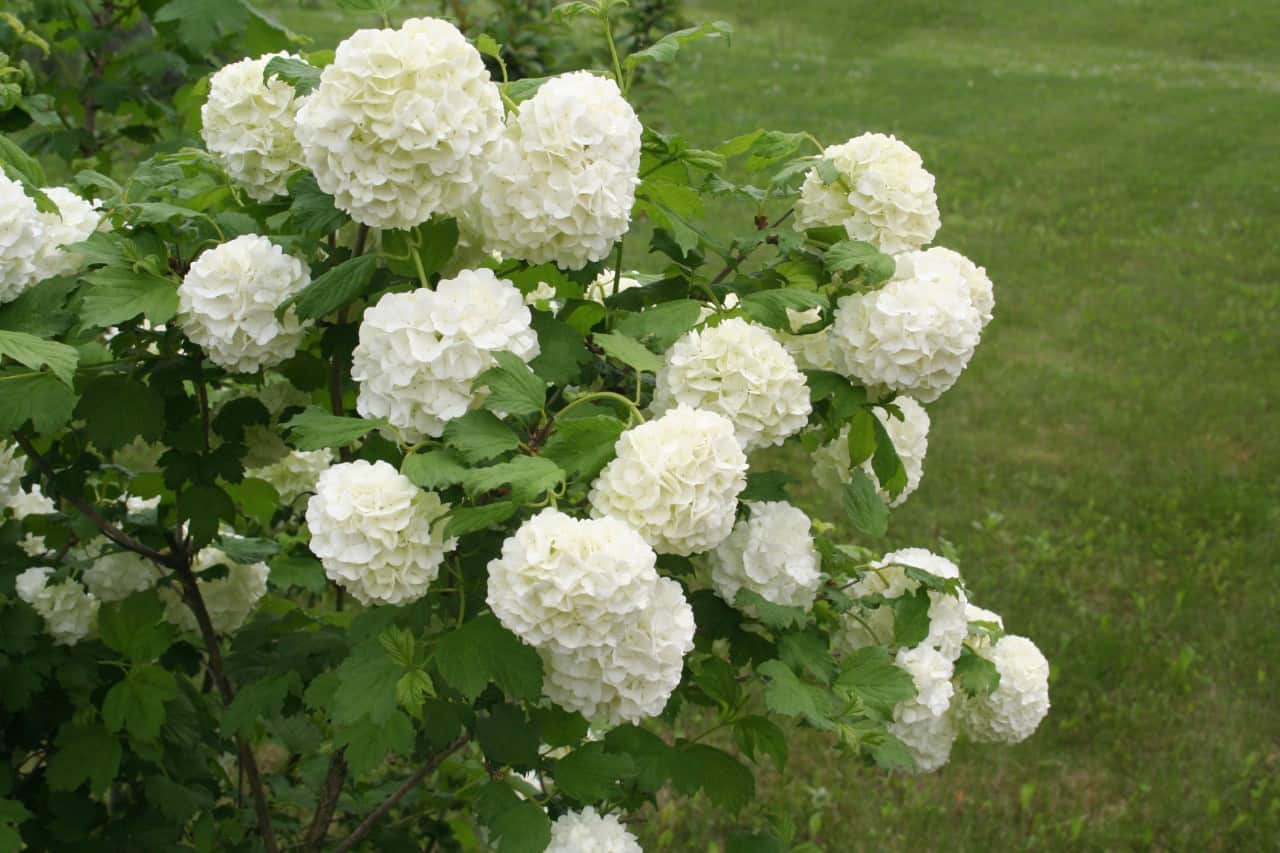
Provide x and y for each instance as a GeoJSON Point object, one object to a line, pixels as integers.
{"type": "Point", "coordinates": [422, 273]}
{"type": "Point", "coordinates": [603, 395]}
{"type": "Point", "coordinates": [613, 53]}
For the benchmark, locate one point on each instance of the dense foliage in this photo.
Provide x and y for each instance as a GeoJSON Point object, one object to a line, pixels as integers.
{"type": "Point", "coordinates": [353, 500]}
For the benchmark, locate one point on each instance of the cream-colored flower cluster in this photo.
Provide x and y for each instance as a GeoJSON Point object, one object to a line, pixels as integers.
{"type": "Point", "coordinates": [832, 467]}
{"type": "Point", "coordinates": [401, 123]}
{"type": "Point", "coordinates": [588, 831]}
{"type": "Point", "coordinates": [739, 370]}
{"type": "Point", "coordinates": [586, 595]}
{"type": "Point", "coordinates": [295, 474]}
{"type": "Point", "coordinates": [69, 611]}
{"type": "Point", "coordinates": [228, 299]}
{"type": "Point", "coordinates": [770, 553]}
{"type": "Point", "coordinates": [31, 242]}
{"type": "Point", "coordinates": [420, 352]}
{"type": "Point", "coordinates": [247, 123]}
{"type": "Point", "coordinates": [118, 575]}
{"type": "Point", "coordinates": [883, 194]}
{"type": "Point", "coordinates": [1021, 700]}
{"type": "Point", "coordinates": [377, 535]}
{"type": "Point", "coordinates": [230, 599]}
{"type": "Point", "coordinates": [676, 480]}
{"type": "Point", "coordinates": [561, 182]}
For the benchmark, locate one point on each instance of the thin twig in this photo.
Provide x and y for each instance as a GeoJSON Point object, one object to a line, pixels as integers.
{"type": "Point", "coordinates": [191, 592]}
{"type": "Point", "coordinates": [328, 802]}
{"type": "Point", "coordinates": [108, 529]}
{"type": "Point", "coordinates": [390, 802]}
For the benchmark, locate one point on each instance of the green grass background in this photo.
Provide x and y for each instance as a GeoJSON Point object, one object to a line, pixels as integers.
{"type": "Point", "coordinates": [1108, 466]}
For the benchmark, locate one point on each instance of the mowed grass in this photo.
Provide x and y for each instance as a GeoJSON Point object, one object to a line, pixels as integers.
{"type": "Point", "coordinates": [1108, 469]}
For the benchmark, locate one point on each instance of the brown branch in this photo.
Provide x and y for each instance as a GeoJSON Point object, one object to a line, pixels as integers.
{"type": "Point", "coordinates": [108, 529]}
{"type": "Point", "coordinates": [191, 592]}
{"type": "Point", "coordinates": [203, 393]}
{"type": "Point", "coordinates": [390, 802]}
{"type": "Point", "coordinates": [328, 803]}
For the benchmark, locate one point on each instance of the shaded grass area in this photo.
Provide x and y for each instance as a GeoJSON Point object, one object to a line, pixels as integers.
{"type": "Point", "coordinates": [1107, 469]}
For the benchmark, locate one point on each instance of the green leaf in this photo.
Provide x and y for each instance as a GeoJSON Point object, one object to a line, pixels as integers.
{"type": "Point", "coordinates": [135, 627]}
{"type": "Point", "coordinates": [298, 73]}
{"type": "Point", "coordinates": [563, 354]}
{"type": "Point", "coordinates": [434, 469]}
{"type": "Point", "coordinates": [518, 826]}
{"type": "Point", "coordinates": [765, 486]}
{"type": "Point", "coordinates": [36, 397]}
{"type": "Point", "coordinates": [204, 506]}
{"type": "Point", "coordinates": [589, 774]}
{"type": "Point", "coordinates": [137, 702]}
{"type": "Point", "coordinates": [117, 409]}
{"type": "Point", "coordinates": [258, 701]}
{"type": "Point", "coordinates": [911, 618]}
{"type": "Point", "coordinates": [366, 685]}
{"type": "Point", "coordinates": [315, 429]}
{"type": "Point", "coordinates": [582, 446]}
{"type": "Point", "coordinates": [472, 519]}
{"type": "Point", "coordinates": [367, 743]}
{"type": "Point", "coordinates": [761, 736]}
{"type": "Point", "coordinates": [27, 167]}
{"type": "Point", "coordinates": [663, 324]}
{"type": "Point", "coordinates": [769, 307]}
{"type": "Point", "coordinates": [808, 652]}
{"type": "Point", "coordinates": [483, 651]}
{"type": "Point", "coordinates": [977, 675]}
{"type": "Point", "coordinates": [666, 48]}
{"type": "Point", "coordinates": [177, 803]}
{"type": "Point", "coordinates": [845, 398]}
{"type": "Point", "coordinates": [770, 614]}
{"type": "Point", "coordinates": [890, 753]}
{"type": "Point", "coordinates": [118, 294]}
{"type": "Point", "coordinates": [202, 24]}
{"type": "Point", "coordinates": [786, 694]}
{"type": "Point", "coordinates": [507, 737]}
{"type": "Point", "coordinates": [889, 469]}
{"type": "Point", "coordinates": [862, 437]}
{"type": "Point", "coordinates": [256, 499]}
{"type": "Point", "coordinates": [771, 147]}
{"type": "Point", "coordinates": [40, 310]}
{"type": "Point", "coordinates": [863, 258]}
{"type": "Point", "coordinates": [313, 210]}
{"type": "Point", "coordinates": [719, 680]}
{"type": "Point", "coordinates": [302, 572]}
{"type": "Point", "coordinates": [35, 353]}
{"type": "Point", "coordinates": [334, 289]}
{"type": "Point", "coordinates": [870, 674]}
{"type": "Point", "coordinates": [727, 782]}
{"type": "Point", "coordinates": [87, 752]}
{"type": "Point", "coordinates": [513, 388]}
{"type": "Point", "coordinates": [560, 727]}
{"type": "Point", "coordinates": [629, 351]}
{"type": "Point", "coordinates": [864, 506]}
{"type": "Point", "coordinates": [480, 436]}
{"type": "Point", "coordinates": [528, 476]}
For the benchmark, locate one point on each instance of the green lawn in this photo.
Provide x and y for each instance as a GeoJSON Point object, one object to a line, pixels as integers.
{"type": "Point", "coordinates": [1109, 467]}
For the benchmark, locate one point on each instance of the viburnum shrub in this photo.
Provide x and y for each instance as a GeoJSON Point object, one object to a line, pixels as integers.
{"type": "Point", "coordinates": [356, 499]}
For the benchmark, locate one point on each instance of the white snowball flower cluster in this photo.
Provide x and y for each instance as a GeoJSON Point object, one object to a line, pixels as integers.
{"type": "Point", "coordinates": [588, 831]}
{"type": "Point", "coordinates": [116, 576]}
{"type": "Point", "coordinates": [75, 222]}
{"type": "Point", "coordinates": [676, 480]}
{"type": "Point", "coordinates": [883, 196]}
{"type": "Point", "coordinates": [402, 119]}
{"type": "Point", "coordinates": [770, 553]}
{"type": "Point", "coordinates": [562, 180]}
{"type": "Point", "coordinates": [70, 613]}
{"type": "Point", "coordinates": [925, 724]}
{"type": "Point", "coordinates": [587, 595]}
{"type": "Point", "coordinates": [887, 577]}
{"type": "Point", "coordinates": [229, 599]}
{"type": "Point", "coordinates": [296, 474]}
{"type": "Point", "coordinates": [228, 299]}
{"type": "Point", "coordinates": [945, 266]}
{"type": "Point", "coordinates": [377, 535]}
{"type": "Point", "coordinates": [248, 126]}
{"type": "Point", "coordinates": [31, 502]}
{"type": "Point", "coordinates": [419, 352]}
{"type": "Point", "coordinates": [1013, 711]}
{"type": "Point", "coordinates": [21, 240]}
{"type": "Point", "coordinates": [632, 677]}
{"type": "Point", "coordinates": [32, 545]}
{"type": "Point", "coordinates": [12, 466]}
{"type": "Point", "coordinates": [914, 336]}
{"type": "Point", "coordinates": [739, 370]}
{"type": "Point", "coordinates": [601, 287]}
{"type": "Point", "coordinates": [910, 437]}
